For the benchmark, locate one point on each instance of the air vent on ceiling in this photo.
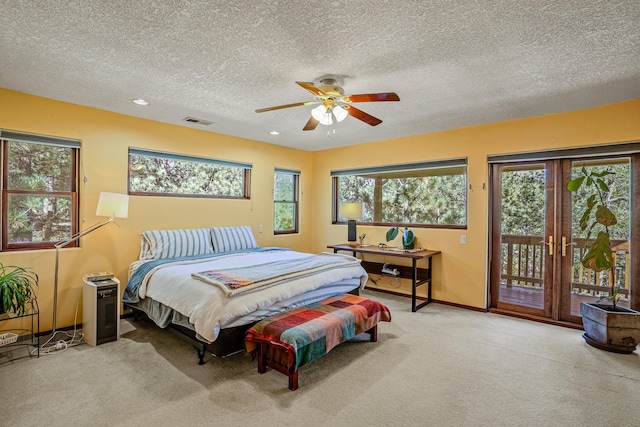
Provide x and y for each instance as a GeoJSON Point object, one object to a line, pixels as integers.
{"type": "Point", "coordinates": [197, 121]}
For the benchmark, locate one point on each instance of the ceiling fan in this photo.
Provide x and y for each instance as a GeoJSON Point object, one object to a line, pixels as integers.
{"type": "Point", "coordinates": [334, 103]}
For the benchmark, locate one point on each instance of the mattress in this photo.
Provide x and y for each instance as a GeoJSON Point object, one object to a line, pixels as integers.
{"type": "Point", "coordinates": [169, 294]}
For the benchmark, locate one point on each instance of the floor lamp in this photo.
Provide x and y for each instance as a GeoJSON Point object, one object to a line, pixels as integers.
{"type": "Point", "coordinates": [111, 205]}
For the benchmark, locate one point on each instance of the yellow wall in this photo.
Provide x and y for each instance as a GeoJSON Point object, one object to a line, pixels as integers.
{"type": "Point", "coordinates": [460, 273]}
{"type": "Point", "coordinates": [106, 138]}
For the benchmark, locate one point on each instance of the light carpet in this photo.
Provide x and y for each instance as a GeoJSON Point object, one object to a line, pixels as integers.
{"type": "Point", "coordinates": [441, 366]}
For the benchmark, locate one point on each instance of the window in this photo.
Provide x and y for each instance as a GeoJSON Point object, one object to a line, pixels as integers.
{"type": "Point", "coordinates": [285, 201]}
{"type": "Point", "coordinates": [153, 173]}
{"type": "Point", "coordinates": [416, 194]}
{"type": "Point", "coordinates": [39, 190]}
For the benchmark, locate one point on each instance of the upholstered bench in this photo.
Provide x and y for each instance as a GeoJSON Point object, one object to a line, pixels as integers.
{"type": "Point", "coordinates": [289, 340]}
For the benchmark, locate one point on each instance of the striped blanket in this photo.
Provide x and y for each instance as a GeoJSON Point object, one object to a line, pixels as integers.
{"type": "Point", "coordinates": [310, 332]}
{"type": "Point", "coordinates": [239, 280]}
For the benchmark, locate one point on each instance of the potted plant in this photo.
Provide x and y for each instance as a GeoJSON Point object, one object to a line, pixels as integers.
{"type": "Point", "coordinates": [408, 238]}
{"type": "Point", "coordinates": [17, 289]}
{"type": "Point", "coordinates": [607, 325]}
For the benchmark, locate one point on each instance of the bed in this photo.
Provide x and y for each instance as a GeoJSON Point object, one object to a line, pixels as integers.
{"type": "Point", "coordinates": [213, 284]}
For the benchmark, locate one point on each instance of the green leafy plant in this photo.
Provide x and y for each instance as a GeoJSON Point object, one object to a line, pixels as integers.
{"type": "Point", "coordinates": [408, 237]}
{"type": "Point", "coordinates": [16, 288]}
{"type": "Point", "coordinates": [597, 218]}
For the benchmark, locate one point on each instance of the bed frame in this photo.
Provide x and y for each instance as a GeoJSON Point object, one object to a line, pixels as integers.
{"type": "Point", "coordinates": [229, 342]}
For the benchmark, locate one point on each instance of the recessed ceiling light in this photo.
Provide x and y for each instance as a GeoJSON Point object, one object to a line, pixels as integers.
{"type": "Point", "coordinates": [140, 101]}
{"type": "Point", "coordinates": [274, 132]}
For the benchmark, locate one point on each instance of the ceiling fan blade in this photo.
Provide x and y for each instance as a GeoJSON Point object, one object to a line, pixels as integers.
{"type": "Point", "coordinates": [280, 107]}
{"type": "Point", "coordinates": [361, 115]}
{"type": "Point", "coordinates": [311, 124]}
{"type": "Point", "coordinates": [372, 97]}
{"type": "Point", "coordinates": [312, 88]}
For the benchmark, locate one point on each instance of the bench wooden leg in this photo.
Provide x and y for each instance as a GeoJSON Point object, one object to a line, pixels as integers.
{"type": "Point", "coordinates": [373, 334]}
{"type": "Point", "coordinates": [262, 354]}
{"type": "Point", "coordinates": [293, 380]}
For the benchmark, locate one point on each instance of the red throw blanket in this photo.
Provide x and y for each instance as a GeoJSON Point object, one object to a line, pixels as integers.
{"type": "Point", "coordinates": [312, 331]}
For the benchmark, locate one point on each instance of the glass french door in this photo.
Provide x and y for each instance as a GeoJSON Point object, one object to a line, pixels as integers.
{"type": "Point", "coordinates": [537, 242]}
{"type": "Point", "coordinates": [585, 285]}
{"type": "Point", "coordinates": [521, 263]}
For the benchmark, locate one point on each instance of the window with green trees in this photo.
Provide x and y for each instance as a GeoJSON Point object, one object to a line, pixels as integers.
{"type": "Point", "coordinates": [154, 173]}
{"type": "Point", "coordinates": [40, 191]}
{"type": "Point", "coordinates": [414, 194]}
{"type": "Point", "coordinates": [285, 201]}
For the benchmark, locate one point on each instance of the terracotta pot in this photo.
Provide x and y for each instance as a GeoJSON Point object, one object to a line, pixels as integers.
{"type": "Point", "coordinates": [617, 331]}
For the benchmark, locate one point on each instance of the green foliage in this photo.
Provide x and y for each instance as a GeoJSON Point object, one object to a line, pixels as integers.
{"type": "Point", "coordinates": [523, 204]}
{"type": "Point", "coordinates": [16, 288]}
{"type": "Point", "coordinates": [599, 256]}
{"type": "Point", "coordinates": [284, 196]}
{"type": "Point", "coordinates": [410, 200]}
{"type": "Point", "coordinates": [408, 237]}
{"type": "Point", "coordinates": [37, 217]}
{"type": "Point", "coordinates": [170, 176]}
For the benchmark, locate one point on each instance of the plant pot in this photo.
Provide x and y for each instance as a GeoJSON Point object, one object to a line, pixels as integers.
{"type": "Point", "coordinates": [617, 331]}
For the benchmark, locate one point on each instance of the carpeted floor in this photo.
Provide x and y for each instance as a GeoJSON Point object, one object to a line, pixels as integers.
{"type": "Point", "coordinates": [441, 366]}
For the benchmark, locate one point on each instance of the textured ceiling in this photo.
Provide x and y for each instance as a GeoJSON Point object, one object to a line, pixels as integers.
{"type": "Point", "coordinates": [453, 63]}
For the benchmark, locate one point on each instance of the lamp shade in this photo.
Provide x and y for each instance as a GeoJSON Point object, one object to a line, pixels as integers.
{"type": "Point", "coordinates": [351, 210]}
{"type": "Point", "coordinates": [340, 113]}
{"type": "Point", "coordinates": [322, 115]}
{"type": "Point", "coordinates": [113, 205]}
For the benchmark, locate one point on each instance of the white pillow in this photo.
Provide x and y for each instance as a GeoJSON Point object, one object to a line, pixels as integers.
{"type": "Point", "coordinates": [160, 244]}
{"type": "Point", "coordinates": [233, 238]}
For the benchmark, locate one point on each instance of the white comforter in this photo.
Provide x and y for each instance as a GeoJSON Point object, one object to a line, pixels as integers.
{"type": "Point", "coordinates": [206, 305]}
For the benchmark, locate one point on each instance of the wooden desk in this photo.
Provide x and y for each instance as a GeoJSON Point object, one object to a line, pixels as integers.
{"type": "Point", "coordinates": [418, 276]}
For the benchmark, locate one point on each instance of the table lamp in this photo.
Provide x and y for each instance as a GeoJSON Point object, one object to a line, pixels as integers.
{"type": "Point", "coordinates": [353, 211]}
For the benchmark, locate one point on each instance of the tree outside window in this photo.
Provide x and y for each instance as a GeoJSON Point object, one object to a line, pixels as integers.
{"type": "Point", "coordinates": [39, 196]}
{"type": "Point", "coordinates": [153, 173]}
{"type": "Point", "coordinates": [285, 201]}
{"type": "Point", "coordinates": [420, 194]}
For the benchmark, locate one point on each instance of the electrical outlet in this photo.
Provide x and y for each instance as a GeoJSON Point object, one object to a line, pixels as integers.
{"type": "Point", "coordinates": [463, 239]}
{"type": "Point", "coordinates": [260, 228]}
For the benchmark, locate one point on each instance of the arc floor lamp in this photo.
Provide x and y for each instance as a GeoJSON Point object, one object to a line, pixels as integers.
{"type": "Point", "coordinates": [110, 205]}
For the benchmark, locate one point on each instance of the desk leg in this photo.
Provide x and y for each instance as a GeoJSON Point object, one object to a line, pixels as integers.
{"type": "Point", "coordinates": [414, 274]}
{"type": "Point", "coordinates": [429, 277]}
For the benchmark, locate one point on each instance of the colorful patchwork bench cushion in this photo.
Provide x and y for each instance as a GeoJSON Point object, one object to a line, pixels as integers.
{"type": "Point", "coordinates": [312, 331]}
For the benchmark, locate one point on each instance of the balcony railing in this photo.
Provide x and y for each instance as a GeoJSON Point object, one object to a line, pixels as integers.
{"type": "Point", "coordinates": [523, 266]}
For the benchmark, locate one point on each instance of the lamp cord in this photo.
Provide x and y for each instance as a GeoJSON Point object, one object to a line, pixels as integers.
{"type": "Point", "coordinates": [59, 245]}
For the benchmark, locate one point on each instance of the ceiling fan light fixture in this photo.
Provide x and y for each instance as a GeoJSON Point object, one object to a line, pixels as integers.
{"type": "Point", "coordinates": [335, 106]}
{"type": "Point", "coordinates": [322, 114]}
{"type": "Point", "coordinates": [340, 113]}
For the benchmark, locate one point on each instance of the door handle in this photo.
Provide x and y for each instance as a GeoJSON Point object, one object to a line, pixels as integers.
{"type": "Point", "coordinates": [550, 244]}
{"type": "Point", "coordinates": [565, 244]}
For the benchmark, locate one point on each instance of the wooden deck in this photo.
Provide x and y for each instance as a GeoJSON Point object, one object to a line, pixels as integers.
{"type": "Point", "coordinates": [534, 297]}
